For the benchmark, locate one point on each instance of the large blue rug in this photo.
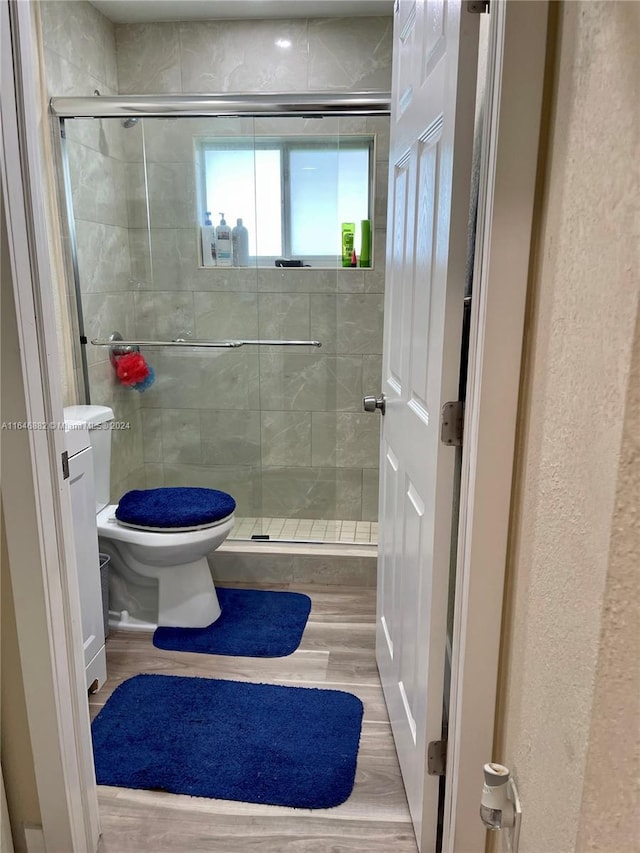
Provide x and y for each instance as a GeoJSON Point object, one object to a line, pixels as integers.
{"type": "Point", "coordinates": [232, 740]}
{"type": "Point", "coordinates": [253, 623]}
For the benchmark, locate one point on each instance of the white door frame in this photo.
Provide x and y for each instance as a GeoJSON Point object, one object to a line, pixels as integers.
{"type": "Point", "coordinates": [509, 168]}
{"type": "Point", "coordinates": [36, 501]}
{"type": "Point", "coordinates": [50, 642]}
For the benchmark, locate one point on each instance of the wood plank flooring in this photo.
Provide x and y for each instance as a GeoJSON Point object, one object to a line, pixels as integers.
{"type": "Point", "coordinates": [337, 651]}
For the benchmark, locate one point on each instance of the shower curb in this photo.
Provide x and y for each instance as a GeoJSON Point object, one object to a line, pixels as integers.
{"type": "Point", "coordinates": [295, 562]}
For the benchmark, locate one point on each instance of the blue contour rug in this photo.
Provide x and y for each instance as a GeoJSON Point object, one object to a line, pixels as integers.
{"type": "Point", "coordinates": [232, 740]}
{"type": "Point", "coordinates": [253, 623]}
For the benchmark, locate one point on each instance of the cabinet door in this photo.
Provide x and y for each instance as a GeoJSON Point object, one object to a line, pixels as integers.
{"type": "Point", "coordinates": [83, 505]}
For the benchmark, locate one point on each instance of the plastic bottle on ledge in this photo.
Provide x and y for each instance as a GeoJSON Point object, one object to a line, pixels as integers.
{"type": "Point", "coordinates": [223, 243]}
{"type": "Point", "coordinates": [348, 239]}
{"type": "Point", "coordinates": [208, 239]}
{"type": "Point", "coordinates": [240, 241]}
{"type": "Point", "coordinates": [365, 243]}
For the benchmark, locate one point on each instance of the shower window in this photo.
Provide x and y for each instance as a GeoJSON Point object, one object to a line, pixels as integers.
{"type": "Point", "coordinates": [292, 194]}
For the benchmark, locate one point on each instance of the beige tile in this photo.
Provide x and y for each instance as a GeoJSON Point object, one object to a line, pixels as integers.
{"type": "Point", "coordinates": [181, 436]}
{"type": "Point", "coordinates": [348, 323]}
{"type": "Point", "coordinates": [223, 316]}
{"type": "Point", "coordinates": [283, 316]}
{"type": "Point", "coordinates": [293, 381]}
{"type": "Point", "coordinates": [345, 439]}
{"type": "Point", "coordinates": [83, 37]}
{"type": "Point", "coordinates": [164, 315]}
{"type": "Point", "coordinates": [104, 261]}
{"type": "Point", "coordinates": [152, 435]}
{"type": "Point", "coordinates": [171, 192]}
{"type": "Point", "coordinates": [98, 186]}
{"type": "Point", "coordinates": [312, 492]}
{"type": "Point", "coordinates": [238, 56]}
{"type": "Point", "coordinates": [370, 494]}
{"type": "Point", "coordinates": [148, 58]}
{"type": "Point", "coordinates": [230, 437]}
{"type": "Point", "coordinates": [352, 54]}
{"type": "Point", "coordinates": [286, 438]}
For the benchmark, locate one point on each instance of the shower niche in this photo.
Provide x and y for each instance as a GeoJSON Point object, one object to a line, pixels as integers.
{"type": "Point", "coordinates": [276, 422]}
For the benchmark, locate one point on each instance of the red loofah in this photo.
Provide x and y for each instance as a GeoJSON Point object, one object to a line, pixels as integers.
{"type": "Point", "coordinates": [132, 368]}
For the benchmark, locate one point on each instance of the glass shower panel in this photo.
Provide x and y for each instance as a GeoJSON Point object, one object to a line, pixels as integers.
{"type": "Point", "coordinates": [102, 161]}
{"type": "Point", "coordinates": [201, 420]}
{"type": "Point", "coordinates": [279, 427]}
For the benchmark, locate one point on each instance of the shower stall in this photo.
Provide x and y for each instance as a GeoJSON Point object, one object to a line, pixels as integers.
{"type": "Point", "coordinates": [258, 369]}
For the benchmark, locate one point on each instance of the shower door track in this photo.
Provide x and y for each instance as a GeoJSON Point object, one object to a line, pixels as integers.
{"type": "Point", "coordinates": [194, 106]}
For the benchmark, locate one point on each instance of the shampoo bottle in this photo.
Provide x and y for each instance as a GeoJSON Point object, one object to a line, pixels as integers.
{"type": "Point", "coordinates": [348, 234]}
{"type": "Point", "coordinates": [240, 240]}
{"type": "Point", "coordinates": [223, 243]}
{"type": "Point", "coordinates": [208, 237]}
{"type": "Point", "coordinates": [365, 243]}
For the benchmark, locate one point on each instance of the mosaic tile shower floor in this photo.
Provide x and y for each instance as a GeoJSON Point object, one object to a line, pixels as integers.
{"type": "Point", "coordinates": [307, 530]}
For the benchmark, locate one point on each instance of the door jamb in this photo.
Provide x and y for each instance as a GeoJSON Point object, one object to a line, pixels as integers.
{"type": "Point", "coordinates": [509, 166]}
{"type": "Point", "coordinates": [37, 508]}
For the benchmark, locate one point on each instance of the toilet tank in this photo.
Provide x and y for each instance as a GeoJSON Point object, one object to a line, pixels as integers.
{"type": "Point", "coordinates": [98, 421]}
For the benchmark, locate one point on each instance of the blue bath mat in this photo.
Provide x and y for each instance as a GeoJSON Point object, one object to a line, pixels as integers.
{"type": "Point", "coordinates": [232, 740]}
{"type": "Point", "coordinates": [254, 623]}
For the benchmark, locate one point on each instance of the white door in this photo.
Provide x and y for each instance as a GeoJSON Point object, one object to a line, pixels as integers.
{"type": "Point", "coordinates": [434, 74]}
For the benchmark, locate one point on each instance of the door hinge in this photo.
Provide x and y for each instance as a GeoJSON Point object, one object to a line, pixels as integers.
{"type": "Point", "coordinates": [437, 757]}
{"type": "Point", "coordinates": [65, 465]}
{"type": "Point", "coordinates": [478, 7]}
{"type": "Point", "coordinates": [452, 423]}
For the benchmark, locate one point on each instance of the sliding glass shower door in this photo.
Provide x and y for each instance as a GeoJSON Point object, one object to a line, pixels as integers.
{"type": "Point", "coordinates": [272, 419]}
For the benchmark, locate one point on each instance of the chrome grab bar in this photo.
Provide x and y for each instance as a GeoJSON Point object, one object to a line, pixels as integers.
{"type": "Point", "coordinates": [118, 343]}
{"type": "Point", "coordinates": [281, 343]}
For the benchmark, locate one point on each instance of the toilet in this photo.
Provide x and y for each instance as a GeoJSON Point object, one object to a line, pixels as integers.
{"type": "Point", "coordinates": [157, 541]}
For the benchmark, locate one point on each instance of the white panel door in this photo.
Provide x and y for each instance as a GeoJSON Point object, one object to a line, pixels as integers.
{"type": "Point", "coordinates": [434, 74]}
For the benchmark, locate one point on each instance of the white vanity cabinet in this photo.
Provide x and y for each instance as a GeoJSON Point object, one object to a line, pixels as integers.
{"type": "Point", "coordinates": [83, 503]}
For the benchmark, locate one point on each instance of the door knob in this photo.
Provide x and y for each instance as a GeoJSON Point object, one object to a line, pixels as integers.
{"type": "Point", "coordinates": [371, 403]}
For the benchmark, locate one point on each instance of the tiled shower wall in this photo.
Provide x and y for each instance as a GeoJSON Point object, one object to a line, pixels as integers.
{"type": "Point", "coordinates": [282, 430]}
{"type": "Point", "coordinates": [80, 57]}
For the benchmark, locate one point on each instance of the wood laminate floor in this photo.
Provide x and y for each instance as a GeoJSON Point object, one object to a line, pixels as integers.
{"type": "Point", "coordinates": [337, 651]}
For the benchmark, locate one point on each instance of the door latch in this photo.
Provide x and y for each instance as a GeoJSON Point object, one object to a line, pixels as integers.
{"type": "Point", "coordinates": [65, 465]}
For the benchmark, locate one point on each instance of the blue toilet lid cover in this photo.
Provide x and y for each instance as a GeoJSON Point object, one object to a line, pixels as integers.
{"type": "Point", "coordinates": [174, 507]}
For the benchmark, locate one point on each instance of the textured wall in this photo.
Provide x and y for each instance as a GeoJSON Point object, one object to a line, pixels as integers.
{"type": "Point", "coordinates": [283, 431]}
{"type": "Point", "coordinates": [80, 56]}
{"type": "Point", "coordinates": [570, 562]}
{"type": "Point", "coordinates": [614, 751]}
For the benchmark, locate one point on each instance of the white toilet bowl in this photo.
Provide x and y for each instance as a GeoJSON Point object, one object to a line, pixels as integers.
{"type": "Point", "coordinates": [175, 559]}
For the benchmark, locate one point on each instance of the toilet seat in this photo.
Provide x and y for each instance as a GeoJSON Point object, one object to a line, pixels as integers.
{"type": "Point", "coordinates": [195, 527]}
{"type": "Point", "coordinates": [174, 509]}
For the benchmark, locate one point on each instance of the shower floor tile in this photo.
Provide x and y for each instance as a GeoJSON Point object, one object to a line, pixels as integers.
{"type": "Point", "coordinates": [307, 530]}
